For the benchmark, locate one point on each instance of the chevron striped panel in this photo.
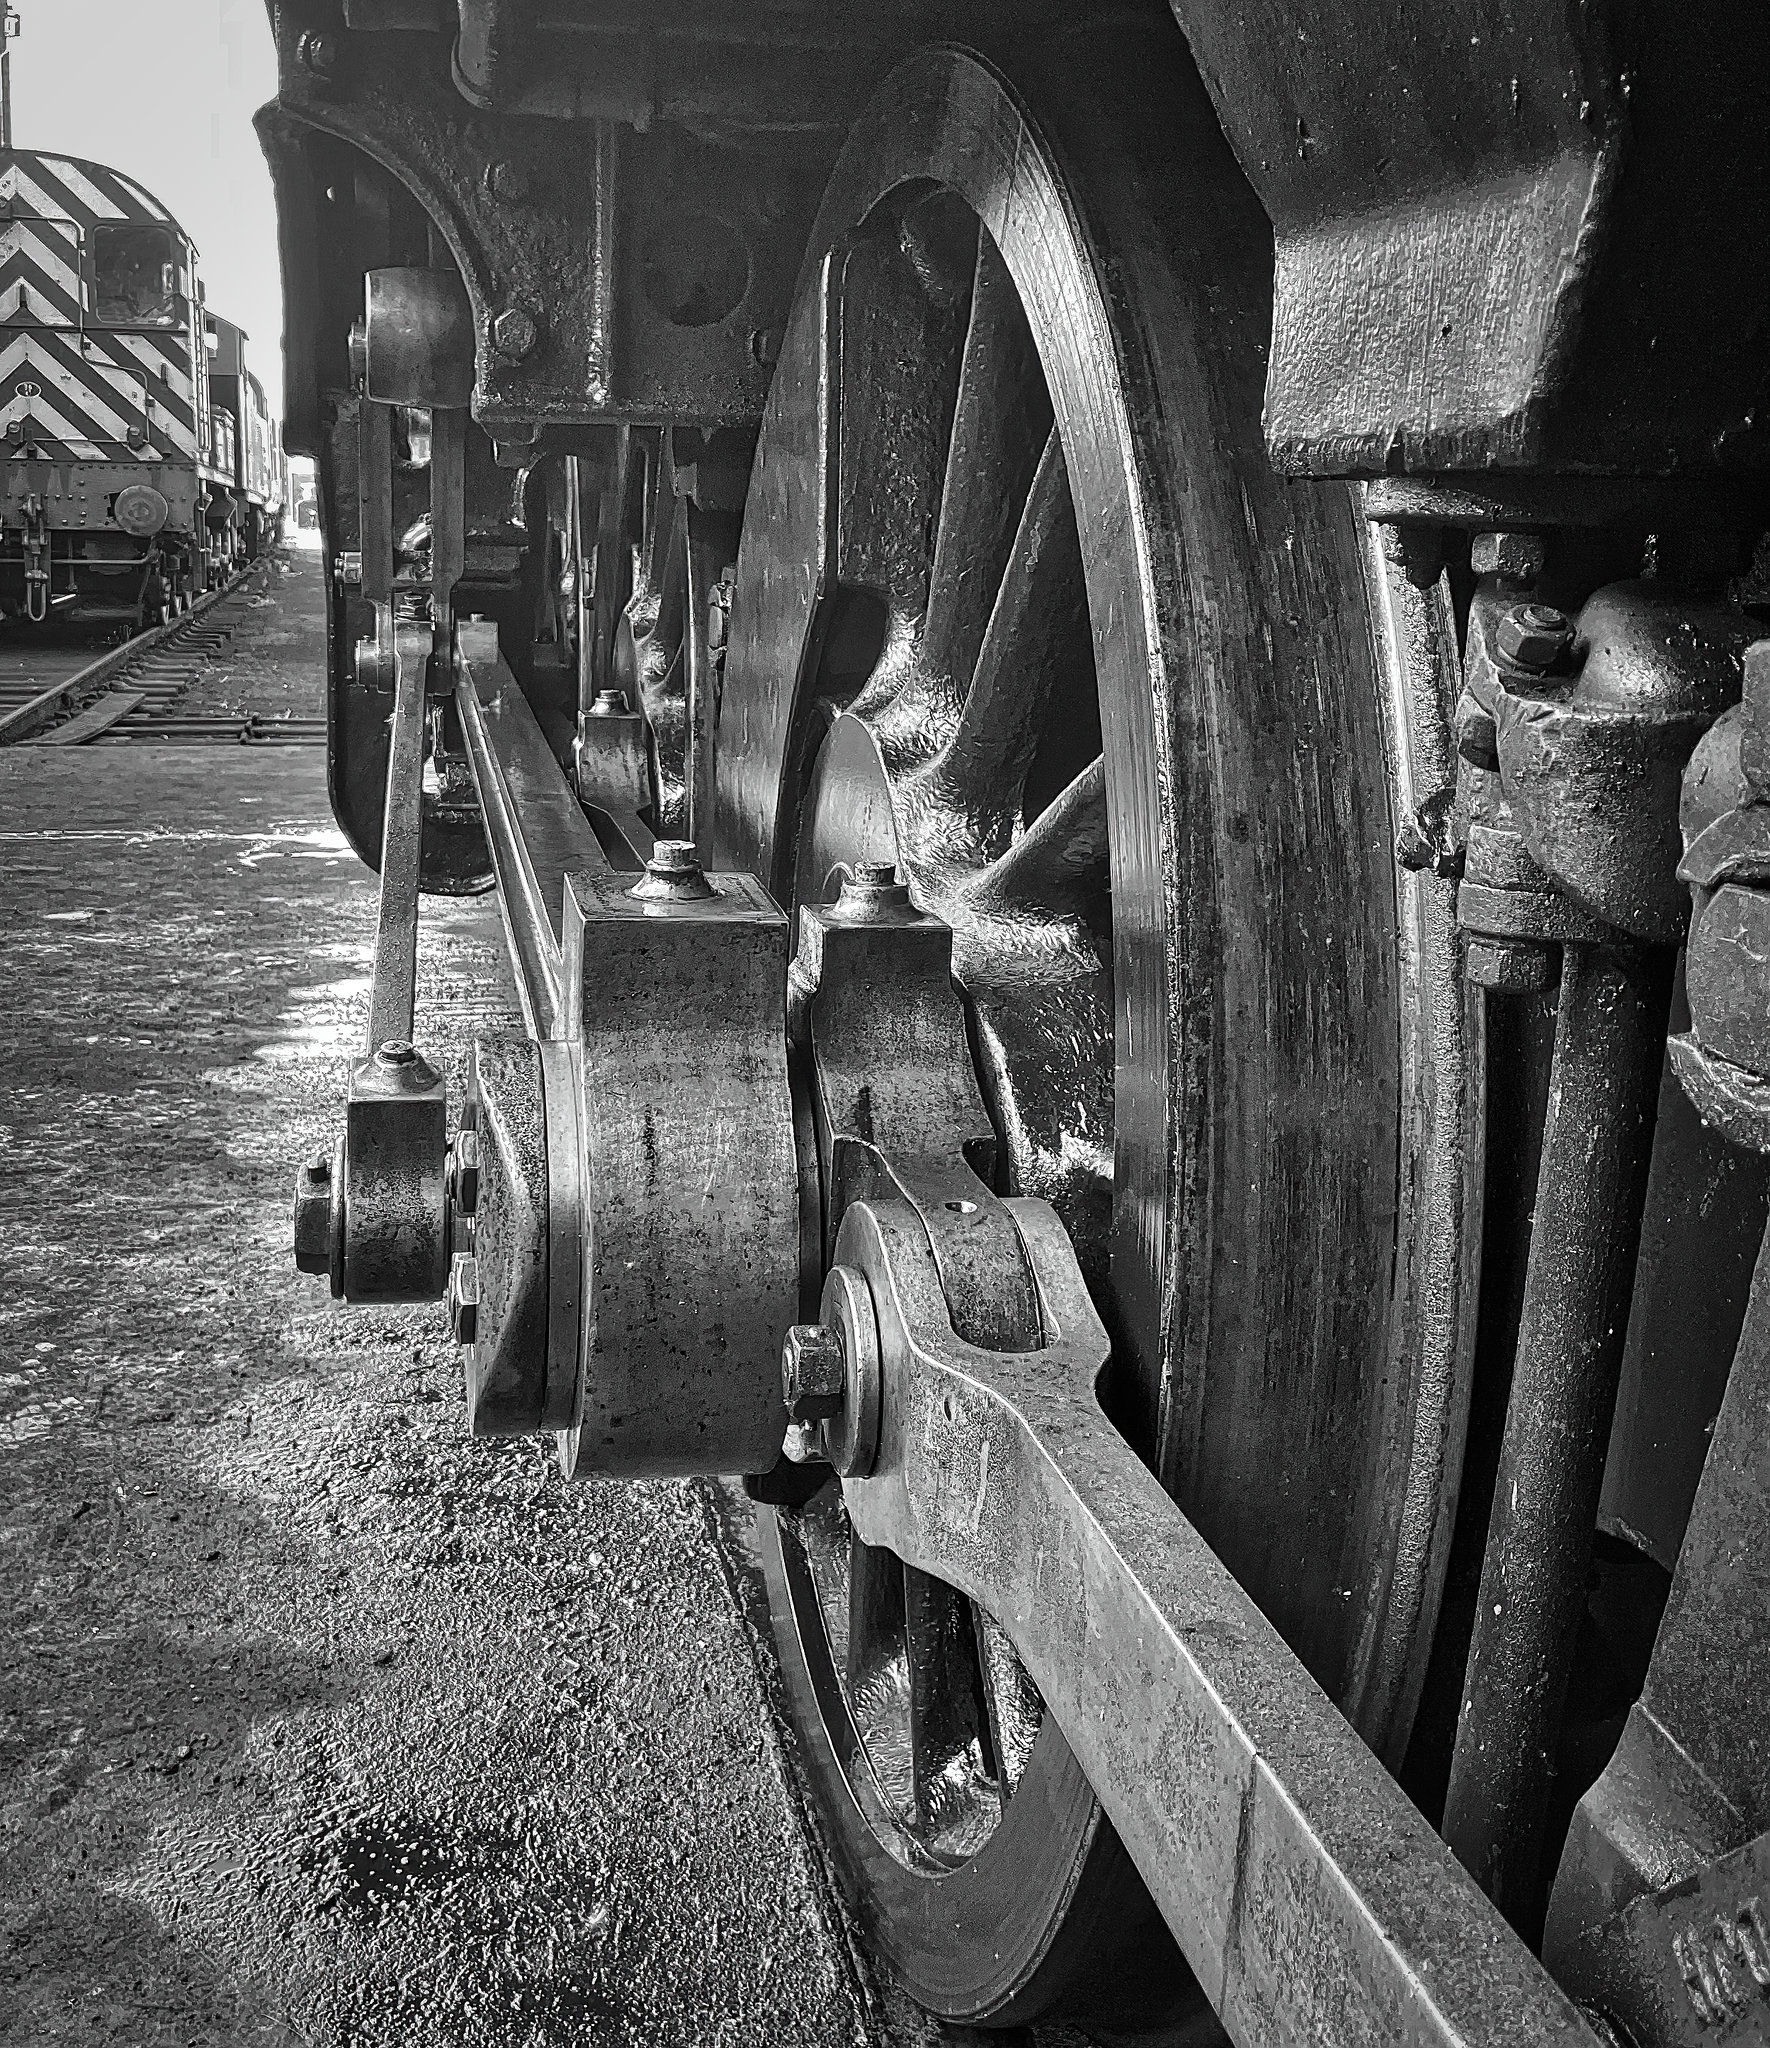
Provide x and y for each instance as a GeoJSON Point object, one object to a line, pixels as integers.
{"type": "Point", "coordinates": [83, 387]}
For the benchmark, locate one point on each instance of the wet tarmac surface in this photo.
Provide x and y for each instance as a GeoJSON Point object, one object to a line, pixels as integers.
{"type": "Point", "coordinates": [320, 1724]}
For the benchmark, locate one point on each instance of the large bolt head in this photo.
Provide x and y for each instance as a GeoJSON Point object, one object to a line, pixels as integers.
{"type": "Point", "coordinates": [464, 1171]}
{"type": "Point", "coordinates": [313, 1216]}
{"type": "Point", "coordinates": [871, 893]}
{"type": "Point", "coordinates": [1535, 637]}
{"type": "Point", "coordinates": [814, 1372]}
{"type": "Point", "coordinates": [673, 874]}
{"type": "Point", "coordinates": [507, 181]}
{"type": "Point", "coordinates": [462, 1299]}
{"type": "Point", "coordinates": [515, 334]}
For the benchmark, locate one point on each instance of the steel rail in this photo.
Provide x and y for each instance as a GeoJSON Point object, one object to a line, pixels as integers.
{"type": "Point", "coordinates": [24, 719]}
{"type": "Point", "coordinates": [1310, 1897]}
{"type": "Point", "coordinates": [534, 826]}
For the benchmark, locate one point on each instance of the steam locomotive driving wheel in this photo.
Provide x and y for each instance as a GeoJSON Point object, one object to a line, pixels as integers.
{"type": "Point", "coordinates": [1024, 618]}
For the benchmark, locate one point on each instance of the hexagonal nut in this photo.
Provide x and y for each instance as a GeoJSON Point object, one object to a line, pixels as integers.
{"type": "Point", "coordinates": [1426, 842]}
{"type": "Point", "coordinates": [515, 334]}
{"type": "Point", "coordinates": [1535, 637]}
{"type": "Point", "coordinates": [1516, 556]}
{"type": "Point", "coordinates": [313, 1216]}
{"type": "Point", "coordinates": [462, 1298]}
{"type": "Point", "coordinates": [1510, 967]}
{"type": "Point", "coordinates": [814, 1372]}
{"type": "Point", "coordinates": [804, 1443]}
{"type": "Point", "coordinates": [507, 180]}
{"type": "Point", "coordinates": [464, 1171]}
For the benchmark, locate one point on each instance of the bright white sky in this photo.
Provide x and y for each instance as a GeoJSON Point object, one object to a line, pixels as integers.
{"type": "Point", "coordinates": [166, 90]}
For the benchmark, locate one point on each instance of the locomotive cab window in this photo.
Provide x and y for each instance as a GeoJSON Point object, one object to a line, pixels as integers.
{"type": "Point", "coordinates": [136, 269]}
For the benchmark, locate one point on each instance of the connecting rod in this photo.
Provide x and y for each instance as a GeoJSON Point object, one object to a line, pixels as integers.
{"type": "Point", "coordinates": [1311, 1899]}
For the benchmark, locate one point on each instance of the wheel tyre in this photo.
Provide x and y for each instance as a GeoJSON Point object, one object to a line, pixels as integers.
{"type": "Point", "coordinates": [1292, 1329]}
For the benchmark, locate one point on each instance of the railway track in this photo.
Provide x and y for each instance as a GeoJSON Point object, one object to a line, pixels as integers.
{"type": "Point", "coordinates": [139, 691]}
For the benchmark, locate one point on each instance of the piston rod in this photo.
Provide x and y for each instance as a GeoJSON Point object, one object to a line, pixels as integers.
{"type": "Point", "coordinates": [1603, 1098]}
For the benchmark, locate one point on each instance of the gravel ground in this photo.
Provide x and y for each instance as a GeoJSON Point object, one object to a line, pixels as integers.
{"type": "Point", "coordinates": [318, 1723]}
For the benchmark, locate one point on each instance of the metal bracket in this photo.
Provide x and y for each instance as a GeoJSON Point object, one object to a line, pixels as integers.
{"type": "Point", "coordinates": [673, 1008]}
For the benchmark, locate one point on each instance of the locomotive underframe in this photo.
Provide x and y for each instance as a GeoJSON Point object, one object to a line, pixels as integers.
{"type": "Point", "coordinates": [546, 155]}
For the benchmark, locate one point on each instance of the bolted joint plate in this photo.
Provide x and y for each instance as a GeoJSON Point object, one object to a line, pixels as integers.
{"type": "Point", "coordinates": [675, 1009]}
{"type": "Point", "coordinates": [395, 1161]}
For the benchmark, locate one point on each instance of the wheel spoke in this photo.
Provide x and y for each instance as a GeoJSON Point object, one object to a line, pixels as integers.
{"type": "Point", "coordinates": [1001, 422]}
{"type": "Point", "coordinates": [1060, 866]}
{"type": "Point", "coordinates": [1034, 651]}
{"type": "Point", "coordinates": [1016, 1711]}
{"type": "Point", "coordinates": [945, 1719]}
{"type": "Point", "coordinates": [875, 1613]}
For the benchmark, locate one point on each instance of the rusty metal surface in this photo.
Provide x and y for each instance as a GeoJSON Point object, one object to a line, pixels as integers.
{"type": "Point", "coordinates": [1689, 1964]}
{"type": "Point", "coordinates": [1592, 766]}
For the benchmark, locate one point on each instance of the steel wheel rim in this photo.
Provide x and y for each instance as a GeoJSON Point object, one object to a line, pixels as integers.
{"type": "Point", "coordinates": [967, 131]}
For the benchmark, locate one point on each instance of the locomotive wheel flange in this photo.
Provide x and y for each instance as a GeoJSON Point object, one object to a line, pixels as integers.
{"type": "Point", "coordinates": [1021, 609]}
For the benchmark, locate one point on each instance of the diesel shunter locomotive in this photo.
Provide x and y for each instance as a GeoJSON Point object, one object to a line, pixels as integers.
{"type": "Point", "coordinates": [141, 462]}
{"type": "Point", "coordinates": [1109, 660]}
